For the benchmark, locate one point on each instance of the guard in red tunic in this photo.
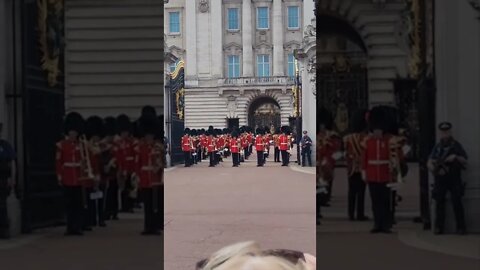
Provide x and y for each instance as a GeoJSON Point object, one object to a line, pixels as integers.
{"type": "Point", "coordinates": [377, 170]}
{"type": "Point", "coordinates": [354, 146]}
{"type": "Point", "coordinates": [211, 146]}
{"type": "Point", "coordinates": [126, 161]}
{"type": "Point", "coordinates": [220, 145]}
{"type": "Point", "coordinates": [260, 147]}
{"type": "Point", "coordinates": [148, 164]}
{"type": "Point", "coordinates": [284, 145]}
{"type": "Point", "coordinates": [70, 170]}
{"type": "Point", "coordinates": [94, 213]}
{"type": "Point", "coordinates": [110, 169]}
{"type": "Point", "coordinates": [235, 148]}
{"type": "Point", "coordinates": [186, 147]}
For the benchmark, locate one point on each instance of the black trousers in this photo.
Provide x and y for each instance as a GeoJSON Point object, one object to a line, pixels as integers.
{"type": "Point", "coordinates": [4, 221]}
{"type": "Point", "coordinates": [74, 208]}
{"type": "Point", "coordinates": [187, 157]}
{"type": "Point", "coordinates": [127, 201]}
{"type": "Point", "coordinates": [199, 155]}
{"type": "Point", "coordinates": [284, 157]}
{"type": "Point", "coordinates": [236, 159]}
{"type": "Point", "coordinates": [96, 208]}
{"type": "Point", "coordinates": [381, 199]}
{"type": "Point", "coordinates": [356, 196]}
{"type": "Point", "coordinates": [212, 158]}
{"type": "Point", "coordinates": [260, 158]}
{"type": "Point", "coordinates": [276, 155]}
{"type": "Point", "coordinates": [441, 187]}
{"type": "Point", "coordinates": [89, 212]}
{"type": "Point", "coordinates": [306, 155]}
{"type": "Point", "coordinates": [112, 200]}
{"type": "Point", "coordinates": [153, 209]}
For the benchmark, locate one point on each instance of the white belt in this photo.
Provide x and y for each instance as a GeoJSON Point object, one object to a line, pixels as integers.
{"type": "Point", "coordinates": [378, 162]}
{"type": "Point", "coordinates": [71, 164]}
{"type": "Point", "coordinates": [147, 168]}
{"type": "Point", "coordinates": [284, 143]}
{"type": "Point", "coordinates": [186, 144]}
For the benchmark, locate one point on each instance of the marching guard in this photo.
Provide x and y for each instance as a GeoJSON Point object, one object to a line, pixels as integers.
{"type": "Point", "coordinates": [187, 147]}
{"type": "Point", "coordinates": [378, 168]}
{"type": "Point", "coordinates": [276, 145]}
{"type": "Point", "coordinates": [110, 169]}
{"type": "Point", "coordinates": [328, 143]}
{"type": "Point", "coordinates": [70, 169]}
{"type": "Point", "coordinates": [284, 145]}
{"type": "Point", "coordinates": [126, 162]}
{"type": "Point", "coordinates": [148, 164]}
{"type": "Point", "coordinates": [260, 147]}
{"type": "Point", "coordinates": [235, 149]}
{"type": "Point", "coordinates": [354, 146]}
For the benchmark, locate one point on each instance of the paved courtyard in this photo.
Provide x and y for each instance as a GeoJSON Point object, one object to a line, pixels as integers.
{"type": "Point", "coordinates": [408, 248]}
{"type": "Point", "coordinates": [117, 247]}
{"type": "Point", "coordinates": [208, 208]}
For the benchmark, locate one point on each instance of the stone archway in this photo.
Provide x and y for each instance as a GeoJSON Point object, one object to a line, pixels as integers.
{"type": "Point", "coordinates": [264, 111]}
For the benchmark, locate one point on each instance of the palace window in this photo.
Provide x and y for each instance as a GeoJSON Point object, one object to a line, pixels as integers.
{"type": "Point", "coordinates": [293, 17]}
{"type": "Point", "coordinates": [233, 66]}
{"type": "Point", "coordinates": [263, 65]}
{"type": "Point", "coordinates": [291, 65]}
{"type": "Point", "coordinates": [262, 18]}
{"type": "Point", "coordinates": [233, 19]}
{"type": "Point", "coordinates": [174, 22]}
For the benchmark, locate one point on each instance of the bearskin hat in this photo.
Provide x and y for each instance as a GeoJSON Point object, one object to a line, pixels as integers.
{"type": "Point", "coordinates": [193, 132]}
{"type": "Point", "coordinates": [94, 127]}
{"type": "Point", "coordinates": [285, 129]}
{"type": "Point", "coordinates": [234, 133]}
{"type": "Point", "coordinates": [124, 123]}
{"type": "Point", "coordinates": [324, 117]}
{"type": "Point", "coordinates": [110, 126]}
{"type": "Point", "coordinates": [149, 110]}
{"type": "Point", "coordinates": [377, 118]}
{"type": "Point", "coordinates": [358, 122]}
{"type": "Point", "coordinates": [277, 130]}
{"type": "Point", "coordinates": [259, 131]}
{"type": "Point", "coordinates": [148, 124]}
{"type": "Point", "coordinates": [186, 131]}
{"type": "Point", "coordinates": [74, 121]}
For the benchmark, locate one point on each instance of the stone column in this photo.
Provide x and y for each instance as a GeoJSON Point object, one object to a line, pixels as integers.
{"type": "Point", "coordinates": [457, 43]}
{"type": "Point", "coordinates": [217, 42]}
{"type": "Point", "coordinates": [190, 40]}
{"type": "Point", "coordinates": [247, 35]}
{"type": "Point", "coordinates": [277, 31]}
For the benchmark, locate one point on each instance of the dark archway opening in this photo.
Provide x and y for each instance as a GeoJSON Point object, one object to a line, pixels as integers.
{"type": "Point", "coordinates": [342, 82]}
{"type": "Point", "coordinates": [264, 112]}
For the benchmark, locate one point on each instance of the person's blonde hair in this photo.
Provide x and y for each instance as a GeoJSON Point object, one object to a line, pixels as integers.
{"type": "Point", "coordinates": [247, 256]}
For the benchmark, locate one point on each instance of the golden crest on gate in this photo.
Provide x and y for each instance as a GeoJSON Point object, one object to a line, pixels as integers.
{"type": "Point", "coordinates": [50, 29]}
{"type": "Point", "coordinates": [180, 100]}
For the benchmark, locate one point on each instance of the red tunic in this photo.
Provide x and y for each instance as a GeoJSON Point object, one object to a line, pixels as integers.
{"type": "Point", "coordinates": [259, 143]}
{"type": "Point", "coordinates": [283, 140]}
{"type": "Point", "coordinates": [210, 144]}
{"type": "Point", "coordinates": [220, 143]}
{"type": "Point", "coordinates": [203, 141]}
{"type": "Point", "coordinates": [125, 155]}
{"type": "Point", "coordinates": [186, 143]}
{"type": "Point", "coordinates": [68, 163]}
{"type": "Point", "coordinates": [145, 159]}
{"type": "Point", "coordinates": [234, 145]}
{"type": "Point", "coordinates": [376, 160]}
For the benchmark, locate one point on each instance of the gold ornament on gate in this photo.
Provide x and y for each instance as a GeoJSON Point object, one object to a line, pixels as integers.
{"type": "Point", "coordinates": [50, 29]}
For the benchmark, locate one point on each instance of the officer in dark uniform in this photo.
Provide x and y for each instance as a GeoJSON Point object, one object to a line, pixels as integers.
{"type": "Point", "coordinates": [306, 146]}
{"type": "Point", "coordinates": [7, 156]}
{"type": "Point", "coordinates": [447, 160]}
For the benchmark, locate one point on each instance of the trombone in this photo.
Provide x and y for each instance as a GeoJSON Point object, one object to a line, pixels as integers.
{"type": "Point", "coordinates": [86, 167]}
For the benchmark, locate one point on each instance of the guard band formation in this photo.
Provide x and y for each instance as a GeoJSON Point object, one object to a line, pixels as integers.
{"type": "Point", "coordinates": [108, 165]}
{"type": "Point", "coordinates": [374, 157]}
{"type": "Point", "coordinates": [239, 143]}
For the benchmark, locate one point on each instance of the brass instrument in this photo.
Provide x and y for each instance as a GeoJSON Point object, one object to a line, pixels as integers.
{"type": "Point", "coordinates": [395, 160]}
{"type": "Point", "coordinates": [86, 172]}
{"type": "Point", "coordinates": [86, 166]}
